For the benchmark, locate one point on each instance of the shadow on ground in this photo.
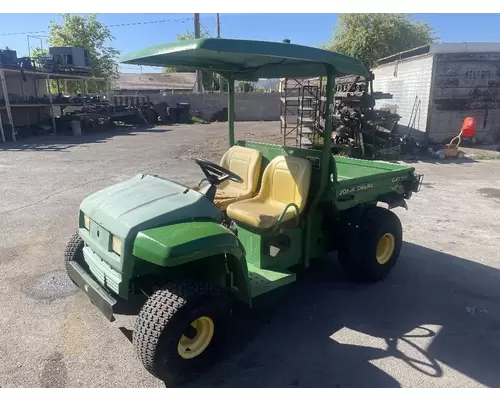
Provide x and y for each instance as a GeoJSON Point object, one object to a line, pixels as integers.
{"type": "Point", "coordinates": [285, 341]}
{"type": "Point", "coordinates": [63, 142]}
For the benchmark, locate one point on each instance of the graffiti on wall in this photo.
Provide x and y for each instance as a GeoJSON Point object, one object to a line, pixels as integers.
{"type": "Point", "coordinates": [463, 84]}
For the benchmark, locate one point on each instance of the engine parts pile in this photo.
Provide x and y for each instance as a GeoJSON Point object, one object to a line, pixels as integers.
{"type": "Point", "coordinates": [360, 130]}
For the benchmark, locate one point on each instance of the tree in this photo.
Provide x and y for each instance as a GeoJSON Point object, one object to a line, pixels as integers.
{"type": "Point", "coordinates": [370, 37]}
{"type": "Point", "coordinates": [91, 34]}
{"type": "Point", "coordinates": [244, 86]}
{"type": "Point", "coordinates": [209, 79]}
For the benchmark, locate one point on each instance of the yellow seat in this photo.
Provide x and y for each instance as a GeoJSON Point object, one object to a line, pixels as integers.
{"type": "Point", "coordinates": [285, 180]}
{"type": "Point", "coordinates": [246, 164]}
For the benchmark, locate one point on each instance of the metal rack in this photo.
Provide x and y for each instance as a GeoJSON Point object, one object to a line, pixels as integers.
{"type": "Point", "coordinates": [37, 76]}
{"type": "Point", "coordinates": [300, 111]}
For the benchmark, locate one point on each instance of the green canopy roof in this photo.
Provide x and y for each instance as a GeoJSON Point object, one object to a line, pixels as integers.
{"type": "Point", "coordinates": [248, 59]}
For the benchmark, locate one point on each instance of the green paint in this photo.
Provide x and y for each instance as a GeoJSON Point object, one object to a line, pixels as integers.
{"type": "Point", "coordinates": [326, 161]}
{"type": "Point", "coordinates": [230, 111]}
{"type": "Point", "coordinates": [258, 251]}
{"type": "Point", "coordinates": [263, 281]}
{"type": "Point", "coordinates": [176, 244]}
{"type": "Point", "coordinates": [248, 59]}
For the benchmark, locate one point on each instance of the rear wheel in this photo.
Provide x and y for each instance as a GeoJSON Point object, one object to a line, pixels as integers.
{"type": "Point", "coordinates": [372, 252]}
{"type": "Point", "coordinates": [181, 330]}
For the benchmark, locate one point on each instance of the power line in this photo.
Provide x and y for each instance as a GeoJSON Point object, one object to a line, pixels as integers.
{"type": "Point", "coordinates": [178, 20]}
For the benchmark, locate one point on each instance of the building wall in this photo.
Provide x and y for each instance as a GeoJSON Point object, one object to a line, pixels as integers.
{"type": "Point", "coordinates": [248, 106]}
{"type": "Point", "coordinates": [24, 115]}
{"type": "Point", "coordinates": [466, 84]}
{"type": "Point", "coordinates": [405, 80]}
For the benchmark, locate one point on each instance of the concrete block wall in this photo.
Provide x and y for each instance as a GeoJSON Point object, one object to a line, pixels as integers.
{"type": "Point", "coordinates": [248, 106]}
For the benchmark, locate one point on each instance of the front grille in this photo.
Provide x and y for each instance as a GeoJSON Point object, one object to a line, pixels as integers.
{"type": "Point", "coordinates": [101, 270]}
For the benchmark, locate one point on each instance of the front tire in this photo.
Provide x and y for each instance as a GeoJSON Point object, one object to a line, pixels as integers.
{"type": "Point", "coordinates": [373, 251]}
{"type": "Point", "coordinates": [181, 330]}
{"type": "Point", "coordinates": [74, 251]}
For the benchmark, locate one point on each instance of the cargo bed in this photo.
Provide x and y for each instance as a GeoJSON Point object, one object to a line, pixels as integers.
{"type": "Point", "coordinates": [353, 170]}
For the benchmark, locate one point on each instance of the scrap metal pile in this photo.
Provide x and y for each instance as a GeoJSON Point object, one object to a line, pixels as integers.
{"type": "Point", "coordinates": [360, 130]}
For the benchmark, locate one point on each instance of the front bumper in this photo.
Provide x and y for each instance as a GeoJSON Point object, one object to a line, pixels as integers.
{"type": "Point", "coordinates": [417, 183]}
{"type": "Point", "coordinates": [96, 293]}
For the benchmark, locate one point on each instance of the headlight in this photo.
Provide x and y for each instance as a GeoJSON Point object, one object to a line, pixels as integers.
{"type": "Point", "coordinates": [86, 222]}
{"type": "Point", "coordinates": [116, 245]}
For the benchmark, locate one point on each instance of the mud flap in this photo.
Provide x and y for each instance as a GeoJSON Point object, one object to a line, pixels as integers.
{"type": "Point", "coordinates": [393, 200]}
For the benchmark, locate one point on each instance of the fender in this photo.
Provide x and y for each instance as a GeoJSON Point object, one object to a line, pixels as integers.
{"type": "Point", "coordinates": [172, 245]}
{"type": "Point", "coordinates": [193, 242]}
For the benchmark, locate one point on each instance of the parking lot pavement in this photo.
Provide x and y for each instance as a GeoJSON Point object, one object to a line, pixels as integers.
{"type": "Point", "coordinates": [433, 323]}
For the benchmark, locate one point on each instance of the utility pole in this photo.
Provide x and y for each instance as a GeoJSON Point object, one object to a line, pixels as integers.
{"type": "Point", "coordinates": [199, 83]}
{"type": "Point", "coordinates": [221, 79]}
{"type": "Point", "coordinates": [218, 25]}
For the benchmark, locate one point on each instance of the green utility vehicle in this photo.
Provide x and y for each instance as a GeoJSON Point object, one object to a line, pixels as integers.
{"type": "Point", "coordinates": [264, 213]}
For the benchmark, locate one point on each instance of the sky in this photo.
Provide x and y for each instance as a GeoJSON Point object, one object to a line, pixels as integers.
{"type": "Point", "coordinates": [306, 29]}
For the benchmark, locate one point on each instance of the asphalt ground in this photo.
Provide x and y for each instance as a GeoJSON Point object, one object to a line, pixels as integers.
{"type": "Point", "coordinates": [434, 322]}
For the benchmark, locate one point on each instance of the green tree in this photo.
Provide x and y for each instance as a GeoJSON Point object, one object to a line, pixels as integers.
{"type": "Point", "coordinates": [370, 37]}
{"type": "Point", "coordinates": [210, 80]}
{"type": "Point", "coordinates": [88, 32]}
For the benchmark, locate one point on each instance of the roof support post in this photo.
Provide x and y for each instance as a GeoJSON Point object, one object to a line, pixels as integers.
{"type": "Point", "coordinates": [52, 108]}
{"type": "Point", "coordinates": [325, 163]}
{"type": "Point", "coordinates": [230, 110]}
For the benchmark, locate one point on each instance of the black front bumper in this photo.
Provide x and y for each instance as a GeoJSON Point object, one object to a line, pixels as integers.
{"type": "Point", "coordinates": [417, 183]}
{"type": "Point", "coordinates": [96, 293]}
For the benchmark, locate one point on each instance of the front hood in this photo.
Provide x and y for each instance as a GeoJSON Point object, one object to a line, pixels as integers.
{"type": "Point", "coordinates": [146, 201]}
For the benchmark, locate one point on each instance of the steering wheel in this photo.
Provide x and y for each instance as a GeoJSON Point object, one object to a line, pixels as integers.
{"type": "Point", "coordinates": [216, 174]}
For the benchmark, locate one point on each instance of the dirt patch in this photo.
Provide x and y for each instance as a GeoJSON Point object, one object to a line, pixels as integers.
{"type": "Point", "coordinates": [50, 286]}
{"type": "Point", "coordinates": [54, 373]}
{"type": "Point", "coordinates": [491, 193]}
{"type": "Point", "coordinates": [212, 146]}
{"type": "Point", "coordinates": [482, 154]}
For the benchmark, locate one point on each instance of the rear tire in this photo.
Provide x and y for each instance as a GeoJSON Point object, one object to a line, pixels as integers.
{"type": "Point", "coordinates": [181, 330]}
{"type": "Point", "coordinates": [372, 252]}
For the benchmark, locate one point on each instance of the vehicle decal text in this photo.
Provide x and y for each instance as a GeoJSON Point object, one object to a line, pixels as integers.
{"type": "Point", "coordinates": [356, 189]}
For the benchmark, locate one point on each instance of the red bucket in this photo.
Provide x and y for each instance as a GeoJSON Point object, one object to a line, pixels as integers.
{"type": "Point", "coordinates": [469, 127]}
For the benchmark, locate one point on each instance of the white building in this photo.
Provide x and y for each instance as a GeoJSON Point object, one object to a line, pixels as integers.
{"type": "Point", "coordinates": [435, 87]}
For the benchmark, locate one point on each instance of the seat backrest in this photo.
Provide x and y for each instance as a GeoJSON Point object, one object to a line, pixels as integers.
{"type": "Point", "coordinates": [245, 163]}
{"type": "Point", "coordinates": [287, 180]}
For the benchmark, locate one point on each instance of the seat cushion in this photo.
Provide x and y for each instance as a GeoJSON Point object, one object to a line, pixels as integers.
{"type": "Point", "coordinates": [285, 181]}
{"type": "Point", "coordinates": [246, 164]}
{"type": "Point", "coordinates": [229, 195]}
{"type": "Point", "coordinates": [258, 214]}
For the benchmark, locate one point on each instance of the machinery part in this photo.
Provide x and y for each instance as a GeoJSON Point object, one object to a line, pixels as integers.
{"type": "Point", "coordinates": [368, 133]}
{"type": "Point", "coordinates": [181, 329]}
{"type": "Point", "coordinates": [8, 58]}
{"type": "Point", "coordinates": [372, 252]}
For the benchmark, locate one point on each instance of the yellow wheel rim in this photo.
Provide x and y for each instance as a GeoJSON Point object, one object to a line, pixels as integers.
{"type": "Point", "coordinates": [194, 342]}
{"type": "Point", "coordinates": [385, 248]}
